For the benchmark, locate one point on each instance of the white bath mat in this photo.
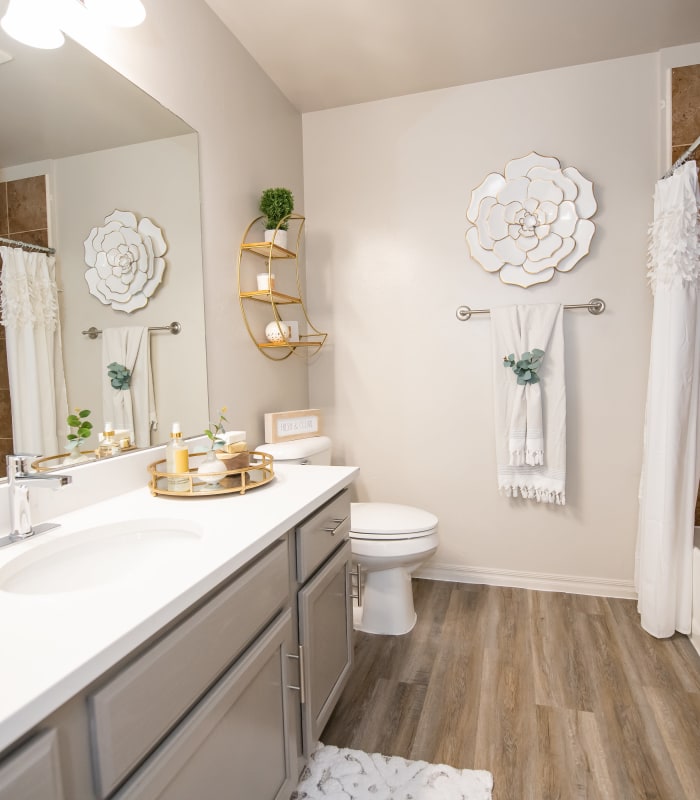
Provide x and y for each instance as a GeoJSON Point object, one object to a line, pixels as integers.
{"type": "Point", "coordinates": [334, 773]}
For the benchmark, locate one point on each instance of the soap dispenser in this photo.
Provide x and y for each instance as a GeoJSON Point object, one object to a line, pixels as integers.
{"type": "Point", "coordinates": [177, 460]}
{"type": "Point", "coordinates": [108, 444]}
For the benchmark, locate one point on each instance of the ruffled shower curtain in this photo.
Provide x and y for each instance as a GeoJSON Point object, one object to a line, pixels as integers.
{"type": "Point", "coordinates": [29, 312]}
{"type": "Point", "coordinates": [671, 461]}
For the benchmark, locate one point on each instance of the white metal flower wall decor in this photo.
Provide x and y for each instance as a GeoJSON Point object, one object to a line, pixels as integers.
{"type": "Point", "coordinates": [532, 221]}
{"type": "Point", "coordinates": [125, 261]}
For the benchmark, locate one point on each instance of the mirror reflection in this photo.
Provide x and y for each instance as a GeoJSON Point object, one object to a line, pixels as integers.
{"type": "Point", "coordinates": [78, 143]}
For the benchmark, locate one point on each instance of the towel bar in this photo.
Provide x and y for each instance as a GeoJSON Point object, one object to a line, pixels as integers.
{"type": "Point", "coordinates": [595, 306]}
{"type": "Point", "coordinates": [174, 328]}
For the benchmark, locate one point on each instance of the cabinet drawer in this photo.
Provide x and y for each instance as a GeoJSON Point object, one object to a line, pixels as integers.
{"type": "Point", "coordinates": [33, 772]}
{"type": "Point", "coordinates": [319, 535]}
{"type": "Point", "coordinates": [234, 743]}
{"type": "Point", "coordinates": [132, 712]}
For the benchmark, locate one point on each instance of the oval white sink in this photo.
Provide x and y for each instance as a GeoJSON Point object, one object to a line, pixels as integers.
{"type": "Point", "coordinates": [100, 555]}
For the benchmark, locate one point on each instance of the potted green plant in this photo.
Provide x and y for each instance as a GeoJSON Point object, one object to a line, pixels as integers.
{"type": "Point", "coordinates": [80, 430]}
{"type": "Point", "coordinates": [276, 204]}
{"type": "Point", "coordinates": [211, 468]}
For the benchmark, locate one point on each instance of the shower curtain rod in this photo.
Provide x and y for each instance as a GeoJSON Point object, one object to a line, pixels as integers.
{"type": "Point", "coordinates": [50, 250]}
{"type": "Point", "coordinates": [678, 162]}
{"type": "Point", "coordinates": [595, 306]}
{"type": "Point", "coordinates": [174, 328]}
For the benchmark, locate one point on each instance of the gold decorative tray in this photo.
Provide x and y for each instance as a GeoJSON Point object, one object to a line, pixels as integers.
{"type": "Point", "coordinates": [232, 480]}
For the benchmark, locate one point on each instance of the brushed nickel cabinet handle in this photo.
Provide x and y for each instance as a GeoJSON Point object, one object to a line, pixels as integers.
{"type": "Point", "coordinates": [300, 687]}
{"type": "Point", "coordinates": [338, 522]}
{"type": "Point", "coordinates": [356, 574]}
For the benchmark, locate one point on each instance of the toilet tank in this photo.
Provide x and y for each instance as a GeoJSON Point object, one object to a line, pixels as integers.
{"type": "Point", "coordinates": [313, 450]}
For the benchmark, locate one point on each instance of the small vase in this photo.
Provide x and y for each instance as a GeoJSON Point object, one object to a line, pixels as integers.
{"type": "Point", "coordinates": [266, 281]}
{"type": "Point", "coordinates": [75, 456]}
{"type": "Point", "coordinates": [211, 470]}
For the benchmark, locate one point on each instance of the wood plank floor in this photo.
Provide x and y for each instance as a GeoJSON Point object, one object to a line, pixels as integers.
{"type": "Point", "coordinates": [559, 696]}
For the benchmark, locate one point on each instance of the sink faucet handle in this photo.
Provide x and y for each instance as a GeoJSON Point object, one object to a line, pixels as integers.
{"type": "Point", "coordinates": [18, 463]}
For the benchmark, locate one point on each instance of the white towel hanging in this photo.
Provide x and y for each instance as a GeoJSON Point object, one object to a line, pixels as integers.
{"type": "Point", "coordinates": [132, 409]}
{"type": "Point", "coordinates": [530, 419]}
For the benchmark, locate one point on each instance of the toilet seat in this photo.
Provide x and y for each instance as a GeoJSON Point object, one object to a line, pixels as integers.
{"type": "Point", "coordinates": [390, 521]}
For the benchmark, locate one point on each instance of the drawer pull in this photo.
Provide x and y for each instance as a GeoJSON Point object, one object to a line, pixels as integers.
{"type": "Point", "coordinates": [300, 687]}
{"type": "Point", "coordinates": [338, 523]}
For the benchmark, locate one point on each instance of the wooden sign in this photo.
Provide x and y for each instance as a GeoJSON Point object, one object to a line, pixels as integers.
{"type": "Point", "coordinates": [284, 426]}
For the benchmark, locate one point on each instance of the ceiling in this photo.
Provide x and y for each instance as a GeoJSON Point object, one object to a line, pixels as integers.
{"type": "Point", "coordinates": [325, 53]}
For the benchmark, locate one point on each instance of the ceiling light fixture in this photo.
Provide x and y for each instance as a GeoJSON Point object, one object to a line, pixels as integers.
{"type": "Point", "coordinates": [121, 13]}
{"type": "Point", "coordinates": [36, 23]}
{"type": "Point", "coordinates": [33, 22]}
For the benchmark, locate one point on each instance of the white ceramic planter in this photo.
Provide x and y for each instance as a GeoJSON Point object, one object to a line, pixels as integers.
{"type": "Point", "coordinates": [279, 237]}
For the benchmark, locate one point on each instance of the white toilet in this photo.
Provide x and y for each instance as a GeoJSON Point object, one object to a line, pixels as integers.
{"type": "Point", "coordinates": [389, 542]}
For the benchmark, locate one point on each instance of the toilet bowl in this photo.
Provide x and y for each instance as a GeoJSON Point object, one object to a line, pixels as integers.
{"type": "Point", "coordinates": [389, 541]}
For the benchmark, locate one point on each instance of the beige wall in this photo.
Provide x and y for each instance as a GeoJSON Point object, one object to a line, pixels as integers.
{"type": "Point", "coordinates": [249, 139]}
{"type": "Point", "coordinates": [407, 386]}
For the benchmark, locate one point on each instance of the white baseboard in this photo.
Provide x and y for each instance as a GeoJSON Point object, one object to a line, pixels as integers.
{"type": "Point", "coordinates": [541, 581]}
{"type": "Point", "coordinates": [695, 640]}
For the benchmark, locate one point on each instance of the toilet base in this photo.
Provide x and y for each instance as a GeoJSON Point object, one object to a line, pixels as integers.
{"type": "Point", "coordinates": [387, 603]}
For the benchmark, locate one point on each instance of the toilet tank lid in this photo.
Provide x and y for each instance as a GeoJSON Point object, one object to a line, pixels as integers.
{"type": "Point", "coordinates": [388, 518]}
{"type": "Point", "coordinates": [297, 448]}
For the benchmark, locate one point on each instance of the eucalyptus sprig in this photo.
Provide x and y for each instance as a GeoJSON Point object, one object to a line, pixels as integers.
{"type": "Point", "coordinates": [215, 431]}
{"type": "Point", "coordinates": [526, 366]}
{"type": "Point", "coordinates": [119, 376]}
{"type": "Point", "coordinates": [83, 428]}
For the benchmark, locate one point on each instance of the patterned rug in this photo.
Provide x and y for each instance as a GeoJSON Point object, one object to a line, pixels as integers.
{"type": "Point", "coordinates": [334, 773]}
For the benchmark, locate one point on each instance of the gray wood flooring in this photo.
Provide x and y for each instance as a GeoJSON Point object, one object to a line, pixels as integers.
{"type": "Point", "coordinates": [559, 696]}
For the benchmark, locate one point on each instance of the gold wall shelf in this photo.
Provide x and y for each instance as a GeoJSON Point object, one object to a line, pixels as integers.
{"type": "Point", "coordinates": [267, 296]}
{"type": "Point", "coordinates": [308, 343]}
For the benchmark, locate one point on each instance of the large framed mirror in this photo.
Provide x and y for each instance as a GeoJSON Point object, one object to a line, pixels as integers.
{"type": "Point", "coordinates": [98, 143]}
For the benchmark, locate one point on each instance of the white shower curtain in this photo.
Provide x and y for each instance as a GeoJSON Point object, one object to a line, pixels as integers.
{"type": "Point", "coordinates": [671, 461]}
{"type": "Point", "coordinates": [29, 306]}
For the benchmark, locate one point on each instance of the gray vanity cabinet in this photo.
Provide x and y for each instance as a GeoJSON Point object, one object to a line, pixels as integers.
{"type": "Point", "coordinates": [33, 772]}
{"type": "Point", "coordinates": [224, 702]}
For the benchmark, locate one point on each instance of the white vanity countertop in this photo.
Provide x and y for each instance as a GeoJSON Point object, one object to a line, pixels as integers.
{"type": "Point", "coordinates": [54, 645]}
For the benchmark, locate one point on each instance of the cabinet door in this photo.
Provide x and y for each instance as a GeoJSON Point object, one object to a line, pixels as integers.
{"type": "Point", "coordinates": [135, 709]}
{"type": "Point", "coordinates": [238, 741]}
{"type": "Point", "coordinates": [325, 635]}
{"type": "Point", "coordinates": [32, 773]}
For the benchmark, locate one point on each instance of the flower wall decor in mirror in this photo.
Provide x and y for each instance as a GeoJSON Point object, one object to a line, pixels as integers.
{"type": "Point", "coordinates": [125, 261]}
{"type": "Point", "coordinates": [532, 221]}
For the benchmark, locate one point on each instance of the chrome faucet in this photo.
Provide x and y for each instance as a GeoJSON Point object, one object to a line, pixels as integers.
{"type": "Point", "coordinates": [19, 482]}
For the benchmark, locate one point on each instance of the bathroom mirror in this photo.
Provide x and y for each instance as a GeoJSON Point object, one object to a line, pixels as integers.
{"type": "Point", "coordinates": [104, 145]}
